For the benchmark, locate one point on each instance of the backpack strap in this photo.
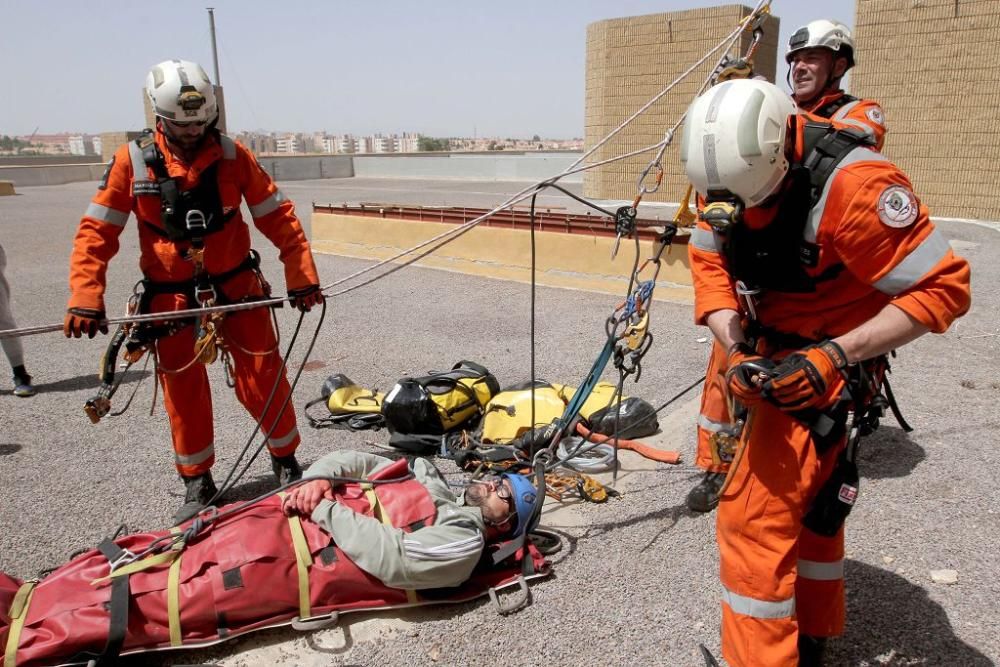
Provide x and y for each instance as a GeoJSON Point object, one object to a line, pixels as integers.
{"type": "Point", "coordinates": [830, 108]}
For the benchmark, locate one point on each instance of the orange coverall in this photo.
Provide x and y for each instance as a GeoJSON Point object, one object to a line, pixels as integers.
{"type": "Point", "coordinates": [778, 577]}
{"type": "Point", "coordinates": [250, 334]}
{"type": "Point", "coordinates": [713, 417]}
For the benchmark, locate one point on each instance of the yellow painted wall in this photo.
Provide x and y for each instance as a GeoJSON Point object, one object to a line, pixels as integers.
{"type": "Point", "coordinates": [575, 261]}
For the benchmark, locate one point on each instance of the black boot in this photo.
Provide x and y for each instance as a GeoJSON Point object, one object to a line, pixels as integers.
{"type": "Point", "coordinates": [705, 496]}
{"type": "Point", "coordinates": [811, 650]}
{"type": "Point", "coordinates": [22, 383]}
{"type": "Point", "coordinates": [286, 469]}
{"type": "Point", "coordinates": [199, 493]}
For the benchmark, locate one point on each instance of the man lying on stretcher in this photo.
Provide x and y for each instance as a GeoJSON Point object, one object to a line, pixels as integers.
{"type": "Point", "coordinates": [441, 553]}
{"type": "Point", "coordinates": [382, 534]}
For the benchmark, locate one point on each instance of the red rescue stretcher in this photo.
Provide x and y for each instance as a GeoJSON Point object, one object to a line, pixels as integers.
{"type": "Point", "coordinates": [250, 569]}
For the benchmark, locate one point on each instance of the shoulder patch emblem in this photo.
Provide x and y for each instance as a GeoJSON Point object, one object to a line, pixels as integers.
{"type": "Point", "coordinates": [107, 172]}
{"type": "Point", "coordinates": [876, 116]}
{"type": "Point", "coordinates": [897, 206]}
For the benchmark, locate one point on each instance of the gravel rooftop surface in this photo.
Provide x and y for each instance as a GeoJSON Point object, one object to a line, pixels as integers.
{"type": "Point", "coordinates": [636, 582]}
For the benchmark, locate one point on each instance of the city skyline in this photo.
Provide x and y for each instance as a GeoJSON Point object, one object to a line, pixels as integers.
{"type": "Point", "coordinates": [440, 69]}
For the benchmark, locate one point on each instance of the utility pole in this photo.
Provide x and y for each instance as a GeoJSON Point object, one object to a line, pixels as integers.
{"type": "Point", "coordinates": [215, 53]}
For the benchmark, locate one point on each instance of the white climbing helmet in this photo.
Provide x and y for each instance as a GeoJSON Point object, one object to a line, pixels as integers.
{"type": "Point", "coordinates": [180, 90]}
{"type": "Point", "coordinates": [734, 140]}
{"type": "Point", "coordinates": [823, 34]}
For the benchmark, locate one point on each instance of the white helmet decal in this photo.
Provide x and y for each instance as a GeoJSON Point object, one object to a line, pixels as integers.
{"type": "Point", "coordinates": [734, 140]}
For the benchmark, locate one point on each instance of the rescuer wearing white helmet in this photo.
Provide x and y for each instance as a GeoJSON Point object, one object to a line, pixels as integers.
{"type": "Point", "coordinates": [180, 92]}
{"type": "Point", "coordinates": [818, 54]}
{"type": "Point", "coordinates": [806, 294]}
{"type": "Point", "coordinates": [185, 182]}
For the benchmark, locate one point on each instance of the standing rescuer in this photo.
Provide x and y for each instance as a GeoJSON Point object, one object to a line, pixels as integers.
{"type": "Point", "coordinates": [185, 182]}
{"type": "Point", "coordinates": [812, 258]}
{"type": "Point", "coordinates": [818, 55]}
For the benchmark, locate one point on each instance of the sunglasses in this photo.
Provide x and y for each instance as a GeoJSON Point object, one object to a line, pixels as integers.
{"type": "Point", "coordinates": [187, 123]}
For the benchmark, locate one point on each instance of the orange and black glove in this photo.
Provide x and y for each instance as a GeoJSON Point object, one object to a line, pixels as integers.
{"type": "Point", "coordinates": [810, 378]}
{"type": "Point", "coordinates": [304, 298]}
{"type": "Point", "coordinates": [746, 373]}
{"type": "Point", "coordinates": [81, 321]}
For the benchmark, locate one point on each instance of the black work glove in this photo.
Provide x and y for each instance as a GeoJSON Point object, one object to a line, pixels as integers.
{"type": "Point", "coordinates": [810, 378]}
{"type": "Point", "coordinates": [81, 321]}
{"type": "Point", "coordinates": [746, 372]}
{"type": "Point", "coordinates": [304, 298]}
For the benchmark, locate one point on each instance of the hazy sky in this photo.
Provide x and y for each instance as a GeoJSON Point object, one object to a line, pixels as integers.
{"type": "Point", "coordinates": [439, 67]}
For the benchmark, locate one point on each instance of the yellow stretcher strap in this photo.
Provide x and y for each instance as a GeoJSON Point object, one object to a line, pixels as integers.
{"type": "Point", "coordinates": [174, 592]}
{"type": "Point", "coordinates": [140, 565]}
{"type": "Point", "coordinates": [18, 614]}
{"type": "Point", "coordinates": [303, 561]}
{"type": "Point", "coordinates": [378, 511]}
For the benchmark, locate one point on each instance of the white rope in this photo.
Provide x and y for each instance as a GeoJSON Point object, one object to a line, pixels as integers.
{"type": "Point", "coordinates": [450, 235]}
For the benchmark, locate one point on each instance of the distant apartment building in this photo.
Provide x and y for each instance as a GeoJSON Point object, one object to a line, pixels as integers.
{"type": "Point", "coordinates": [48, 144]}
{"type": "Point", "coordinates": [288, 143]}
{"type": "Point", "coordinates": [408, 143]}
{"type": "Point", "coordinates": [345, 143]}
{"type": "Point", "coordinates": [363, 145]}
{"type": "Point", "coordinates": [98, 145]}
{"type": "Point", "coordinates": [382, 144]}
{"type": "Point", "coordinates": [81, 144]}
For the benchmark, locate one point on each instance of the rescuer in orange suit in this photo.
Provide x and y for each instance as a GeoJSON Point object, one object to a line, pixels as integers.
{"type": "Point", "coordinates": [818, 56]}
{"type": "Point", "coordinates": [826, 280]}
{"type": "Point", "coordinates": [185, 182]}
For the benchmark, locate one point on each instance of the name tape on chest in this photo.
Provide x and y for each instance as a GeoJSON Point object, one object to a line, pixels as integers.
{"type": "Point", "coordinates": [140, 188]}
{"type": "Point", "coordinates": [897, 206]}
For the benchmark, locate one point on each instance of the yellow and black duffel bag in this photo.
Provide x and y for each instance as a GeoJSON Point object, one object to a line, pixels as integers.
{"type": "Point", "coordinates": [439, 402]}
{"type": "Point", "coordinates": [350, 406]}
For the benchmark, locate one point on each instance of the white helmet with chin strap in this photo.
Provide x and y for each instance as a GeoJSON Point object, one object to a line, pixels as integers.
{"type": "Point", "coordinates": [180, 90]}
{"type": "Point", "coordinates": [823, 34]}
{"type": "Point", "coordinates": [734, 140]}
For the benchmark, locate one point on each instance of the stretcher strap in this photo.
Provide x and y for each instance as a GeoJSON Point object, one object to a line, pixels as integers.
{"type": "Point", "coordinates": [140, 565]}
{"type": "Point", "coordinates": [379, 512]}
{"type": "Point", "coordinates": [303, 561]}
{"type": "Point", "coordinates": [118, 621]}
{"type": "Point", "coordinates": [18, 614]}
{"type": "Point", "coordinates": [174, 593]}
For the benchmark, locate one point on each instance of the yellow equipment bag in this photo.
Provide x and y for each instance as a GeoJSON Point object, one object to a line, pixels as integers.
{"type": "Point", "coordinates": [508, 414]}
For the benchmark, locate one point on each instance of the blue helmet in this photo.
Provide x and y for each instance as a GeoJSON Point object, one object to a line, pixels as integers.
{"type": "Point", "coordinates": [524, 497]}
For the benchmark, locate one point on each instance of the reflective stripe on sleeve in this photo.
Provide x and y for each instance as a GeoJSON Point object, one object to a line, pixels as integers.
{"type": "Point", "coordinates": [139, 172]}
{"type": "Point", "coordinates": [269, 205]}
{"type": "Point", "coordinates": [859, 154]}
{"type": "Point", "coordinates": [864, 127]}
{"type": "Point", "coordinates": [196, 458]}
{"type": "Point", "coordinates": [112, 216]}
{"type": "Point", "coordinates": [914, 266]}
{"type": "Point", "coordinates": [844, 110]}
{"type": "Point", "coordinates": [820, 571]}
{"type": "Point", "coordinates": [704, 239]}
{"type": "Point", "coordinates": [758, 608]}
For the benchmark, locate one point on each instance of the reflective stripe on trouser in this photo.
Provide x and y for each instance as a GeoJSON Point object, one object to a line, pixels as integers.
{"type": "Point", "coordinates": [761, 541]}
{"type": "Point", "coordinates": [714, 417]}
{"type": "Point", "coordinates": [250, 334]}
{"type": "Point", "coordinates": [187, 396]}
{"type": "Point", "coordinates": [819, 588]}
